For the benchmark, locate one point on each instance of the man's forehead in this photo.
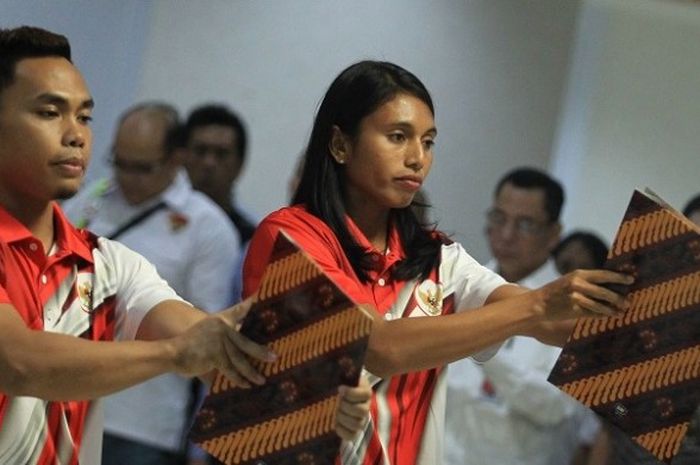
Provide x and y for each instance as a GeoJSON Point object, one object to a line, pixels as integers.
{"type": "Point", "coordinates": [520, 201]}
{"type": "Point", "coordinates": [214, 133]}
{"type": "Point", "coordinates": [56, 77]}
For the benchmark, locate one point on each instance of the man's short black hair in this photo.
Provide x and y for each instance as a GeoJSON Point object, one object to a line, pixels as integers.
{"type": "Point", "coordinates": [531, 178]}
{"type": "Point", "coordinates": [692, 206]}
{"type": "Point", "coordinates": [590, 241]}
{"type": "Point", "coordinates": [28, 42]}
{"type": "Point", "coordinates": [220, 115]}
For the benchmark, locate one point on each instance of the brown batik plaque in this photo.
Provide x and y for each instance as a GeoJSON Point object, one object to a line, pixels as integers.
{"type": "Point", "coordinates": [641, 371]}
{"type": "Point", "coordinates": [320, 337]}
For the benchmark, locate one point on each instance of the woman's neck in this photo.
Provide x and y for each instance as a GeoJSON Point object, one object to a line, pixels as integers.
{"type": "Point", "coordinates": [374, 225]}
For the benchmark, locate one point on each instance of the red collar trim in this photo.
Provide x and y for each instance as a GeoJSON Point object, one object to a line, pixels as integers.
{"type": "Point", "coordinates": [395, 248]}
{"type": "Point", "coordinates": [67, 237]}
{"type": "Point", "coordinates": [11, 230]}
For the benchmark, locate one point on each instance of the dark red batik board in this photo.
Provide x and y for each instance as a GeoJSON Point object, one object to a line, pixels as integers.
{"type": "Point", "coordinates": [641, 371]}
{"type": "Point", "coordinates": [320, 336]}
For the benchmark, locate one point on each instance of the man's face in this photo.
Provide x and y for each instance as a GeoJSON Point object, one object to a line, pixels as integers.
{"type": "Point", "coordinates": [45, 136]}
{"type": "Point", "coordinates": [520, 234]}
{"type": "Point", "coordinates": [139, 159]}
{"type": "Point", "coordinates": [212, 161]}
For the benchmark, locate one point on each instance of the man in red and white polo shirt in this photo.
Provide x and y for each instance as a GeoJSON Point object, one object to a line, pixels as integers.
{"type": "Point", "coordinates": [65, 293]}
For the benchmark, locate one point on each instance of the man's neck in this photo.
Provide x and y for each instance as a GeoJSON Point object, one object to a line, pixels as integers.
{"type": "Point", "coordinates": [38, 219]}
{"type": "Point", "coordinates": [517, 275]}
{"type": "Point", "coordinates": [225, 202]}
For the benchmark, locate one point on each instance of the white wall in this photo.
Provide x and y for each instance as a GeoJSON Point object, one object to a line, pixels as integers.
{"type": "Point", "coordinates": [106, 38]}
{"type": "Point", "coordinates": [632, 112]}
{"type": "Point", "coordinates": [496, 69]}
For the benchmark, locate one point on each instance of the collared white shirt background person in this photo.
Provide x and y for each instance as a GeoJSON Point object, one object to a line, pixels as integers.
{"type": "Point", "coordinates": [525, 420]}
{"type": "Point", "coordinates": [194, 247]}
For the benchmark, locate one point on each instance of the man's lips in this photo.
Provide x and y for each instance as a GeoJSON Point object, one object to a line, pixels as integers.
{"type": "Point", "coordinates": [72, 166]}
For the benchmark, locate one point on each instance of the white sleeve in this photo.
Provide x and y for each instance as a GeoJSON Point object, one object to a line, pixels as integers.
{"type": "Point", "coordinates": [212, 266]}
{"type": "Point", "coordinates": [137, 286]}
{"type": "Point", "coordinates": [471, 282]}
{"type": "Point", "coordinates": [519, 374]}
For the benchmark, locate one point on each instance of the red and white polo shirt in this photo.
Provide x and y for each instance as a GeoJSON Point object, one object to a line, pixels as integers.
{"type": "Point", "coordinates": [87, 287]}
{"type": "Point", "coordinates": [407, 410]}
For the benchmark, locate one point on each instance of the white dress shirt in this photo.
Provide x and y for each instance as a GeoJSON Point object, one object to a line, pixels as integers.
{"type": "Point", "coordinates": [194, 247]}
{"type": "Point", "coordinates": [517, 417]}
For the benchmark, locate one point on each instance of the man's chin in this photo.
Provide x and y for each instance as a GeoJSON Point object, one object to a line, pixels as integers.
{"type": "Point", "coordinates": [65, 194]}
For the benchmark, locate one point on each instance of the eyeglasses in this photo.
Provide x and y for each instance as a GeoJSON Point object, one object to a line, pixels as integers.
{"type": "Point", "coordinates": [522, 225]}
{"type": "Point", "coordinates": [219, 152]}
{"type": "Point", "coordinates": [136, 167]}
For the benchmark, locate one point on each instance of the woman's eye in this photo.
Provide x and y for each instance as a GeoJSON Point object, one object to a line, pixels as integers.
{"type": "Point", "coordinates": [397, 137]}
{"type": "Point", "coordinates": [429, 143]}
{"type": "Point", "coordinates": [85, 119]}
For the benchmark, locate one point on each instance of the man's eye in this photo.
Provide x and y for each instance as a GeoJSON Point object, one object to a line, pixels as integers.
{"type": "Point", "coordinates": [85, 119]}
{"type": "Point", "coordinates": [48, 113]}
{"type": "Point", "coordinates": [199, 150]}
{"type": "Point", "coordinates": [397, 137]}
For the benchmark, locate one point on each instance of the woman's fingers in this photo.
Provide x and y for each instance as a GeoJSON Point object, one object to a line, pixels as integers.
{"type": "Point", "coordinates": [599, 293]}
{"type": "Point", "coordinates": [582, 293]}
{"type": "Point", "coordinates": [605, 276]}
{"type": "Point", "coordinates": [353, 409]}
{"type": "Point", "coordinates": [348, 426]}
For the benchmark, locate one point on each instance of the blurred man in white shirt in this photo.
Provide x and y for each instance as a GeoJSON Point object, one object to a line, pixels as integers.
{"type": "Point", "coordinates": [504, 411]}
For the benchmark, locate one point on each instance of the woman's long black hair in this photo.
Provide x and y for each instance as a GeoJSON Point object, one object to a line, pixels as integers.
{"type": "Point", "coordinates": [357, 92]}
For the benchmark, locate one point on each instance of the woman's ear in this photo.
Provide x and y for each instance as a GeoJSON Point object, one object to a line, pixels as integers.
{"type": "Point", "coordinates": [338, 145]}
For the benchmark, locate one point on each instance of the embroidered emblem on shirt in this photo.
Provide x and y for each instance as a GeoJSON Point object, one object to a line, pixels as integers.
{"type": "Point", "coordinates": [429, 297]}
{"type": "Point", "coordinates": [178, 221]}
{"type": "Point", "coordinates": [84, 287]}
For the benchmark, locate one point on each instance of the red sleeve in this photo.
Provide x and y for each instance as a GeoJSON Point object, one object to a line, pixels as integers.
{"type": "Point", "coordinates": [314, 237]}
{"type": "Point", "coordinates": [4, 298]}
{"type": "Point", "coordinates": [259, 249]}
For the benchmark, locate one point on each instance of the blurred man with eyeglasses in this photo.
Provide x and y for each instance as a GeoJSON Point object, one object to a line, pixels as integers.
{"type": "Point", "coordinates": [504, 411]}
{"type": "Point", "coordinates": [150, 206]}
{"type": "Point", "coordinates": [522, 226]}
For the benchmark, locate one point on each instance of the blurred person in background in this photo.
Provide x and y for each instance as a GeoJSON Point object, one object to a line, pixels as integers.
{"type": "Point", "coordinates": [504, 411]}
{"type": "Point", "coordinates": [580, 250]}
{"type": "Point", "coordinates": [149, 205]}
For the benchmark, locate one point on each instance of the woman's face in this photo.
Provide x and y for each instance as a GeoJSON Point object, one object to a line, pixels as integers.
{"type": "Point", "coordinates": [388, 160]}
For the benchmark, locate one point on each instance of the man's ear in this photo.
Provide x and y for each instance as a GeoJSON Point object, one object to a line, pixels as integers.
{"type": "Point", "coordinates": [555, 236]}
{"type": "Point", "coordinates": [339, 145]}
